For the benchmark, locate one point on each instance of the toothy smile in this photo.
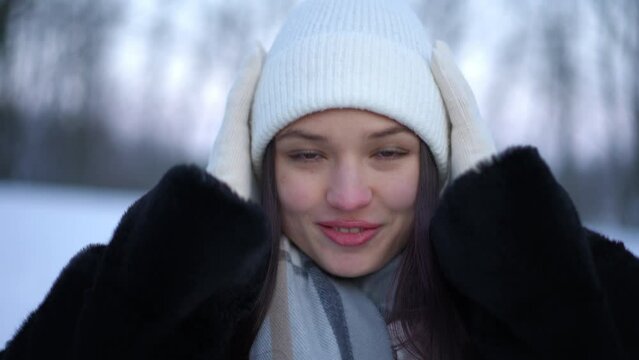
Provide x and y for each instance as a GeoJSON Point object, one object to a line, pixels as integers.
{"type": "Point", "coordinates": [348, 230]}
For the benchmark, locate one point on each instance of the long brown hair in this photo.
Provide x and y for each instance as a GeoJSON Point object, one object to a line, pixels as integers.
{"type": "Point", "coordinates": [423, 311]}
{"type": "Point", "coordinates": [246, 333]}
{"type": "Point", "coordinates": [424, 317]}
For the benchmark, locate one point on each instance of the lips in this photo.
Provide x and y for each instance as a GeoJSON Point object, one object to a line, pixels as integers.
{"type": "Point", "coordinates": [349, 232]}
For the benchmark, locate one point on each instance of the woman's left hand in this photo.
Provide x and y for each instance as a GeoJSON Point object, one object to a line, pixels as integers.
{"type": "Point", "coordinates": [230, 159]}
{"type": "Point", "coordinates": [470, 139]}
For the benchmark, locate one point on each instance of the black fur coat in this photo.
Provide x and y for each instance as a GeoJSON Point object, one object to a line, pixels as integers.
{"type": "Point", "coordinates": [186, 263]}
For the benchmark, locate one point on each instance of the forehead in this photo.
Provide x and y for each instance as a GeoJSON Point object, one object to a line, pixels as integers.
{"type": "Point", "coordinates": [335, 122]}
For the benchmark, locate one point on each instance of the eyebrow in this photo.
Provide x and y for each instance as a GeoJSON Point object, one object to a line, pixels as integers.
{"type": "Point", "coordinates": [302, 134]}
{"type": "Point", "coordinates": [387, 132]}
{"type": "Point", "coordinates": [293, 133]}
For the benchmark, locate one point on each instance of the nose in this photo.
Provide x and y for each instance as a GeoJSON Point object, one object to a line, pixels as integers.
{"type": "Point", "coordinates": [348, 189]}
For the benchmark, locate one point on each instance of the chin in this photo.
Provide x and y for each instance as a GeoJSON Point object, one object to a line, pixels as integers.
{"type": "Point", "coordinates": [348, 266]}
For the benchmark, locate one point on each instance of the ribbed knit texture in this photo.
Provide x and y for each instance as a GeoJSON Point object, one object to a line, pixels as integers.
{"type": "Point", "coordinates": [364, 54]}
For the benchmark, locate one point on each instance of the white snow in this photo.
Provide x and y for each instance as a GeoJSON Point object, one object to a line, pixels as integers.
{"type": "Point", "coordinates": [41, 228]}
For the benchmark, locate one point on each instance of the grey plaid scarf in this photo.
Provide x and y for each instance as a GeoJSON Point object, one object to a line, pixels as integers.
{"type": "Point", "coordinates": [316, 316]}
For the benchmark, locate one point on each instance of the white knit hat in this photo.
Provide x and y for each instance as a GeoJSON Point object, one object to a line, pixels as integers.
{"type": "Point", "coordinates": [364, 54]}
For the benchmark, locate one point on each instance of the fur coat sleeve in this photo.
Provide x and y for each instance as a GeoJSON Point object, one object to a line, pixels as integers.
{"type": "Point", "coordinates": [530, 281]}
{"type": "Point", "coordinates": [181, 273]}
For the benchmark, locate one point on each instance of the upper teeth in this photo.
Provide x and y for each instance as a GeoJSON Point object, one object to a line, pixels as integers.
{"type": "Point", "coordinates": [348, 230]}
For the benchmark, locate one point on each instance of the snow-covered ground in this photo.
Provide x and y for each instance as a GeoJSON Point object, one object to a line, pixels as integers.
{"type": "Point", "coordinates": [42, 227]}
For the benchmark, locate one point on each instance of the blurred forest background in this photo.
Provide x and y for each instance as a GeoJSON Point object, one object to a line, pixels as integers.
{"type": "Point", "coordinates": [111, 93]}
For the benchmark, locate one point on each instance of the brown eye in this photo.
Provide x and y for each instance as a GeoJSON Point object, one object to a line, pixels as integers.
{"type": "Point", "coordinates": [390, 154]}
{"type": "Point", "coordinates": [305, 156]}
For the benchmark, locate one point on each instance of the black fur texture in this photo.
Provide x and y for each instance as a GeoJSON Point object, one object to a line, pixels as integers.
{"type": "Point", "coordinates": [618, 272]}
{"type": "Point", "coordinates": [48, 331]}
{"type": "Point", "coordinates": [511, 245]}
{"type": "Point", "coordinates": [183, 269]}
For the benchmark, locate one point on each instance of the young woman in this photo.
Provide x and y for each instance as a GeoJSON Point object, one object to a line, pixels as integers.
{"type": "Point", "coordinates": [378, 236]}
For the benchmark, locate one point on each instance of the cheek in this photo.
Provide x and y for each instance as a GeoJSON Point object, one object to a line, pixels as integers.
{"type": "Point", "coordinates": [297, 193]}
{"type": "Point", "coordinates": [399, 191]}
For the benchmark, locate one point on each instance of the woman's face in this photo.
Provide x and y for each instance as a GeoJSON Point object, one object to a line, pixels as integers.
{"type": "Point", "coordinates": [347, 182]}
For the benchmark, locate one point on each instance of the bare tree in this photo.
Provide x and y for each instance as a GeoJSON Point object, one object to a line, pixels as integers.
{"type": "Point", "coordinates": [620, 37]}
{"type": "Point", "coordinates": [55, 83]}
